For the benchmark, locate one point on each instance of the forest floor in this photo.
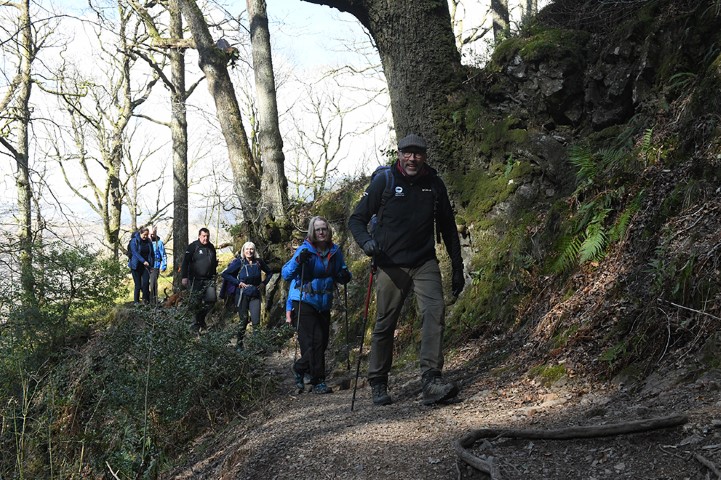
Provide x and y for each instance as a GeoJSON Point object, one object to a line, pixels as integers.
{"type": "Point", "coordinates": [318, 436]}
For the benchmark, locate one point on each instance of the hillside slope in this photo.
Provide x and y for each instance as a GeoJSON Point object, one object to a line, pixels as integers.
{"type": "Point", "coordinates": [589, 209]}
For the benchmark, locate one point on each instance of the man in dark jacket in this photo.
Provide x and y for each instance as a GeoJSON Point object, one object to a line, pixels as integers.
{"type": "Point", "coordinates": [198, 272]}
{"type": "Point", "coordinates": [403, 247]}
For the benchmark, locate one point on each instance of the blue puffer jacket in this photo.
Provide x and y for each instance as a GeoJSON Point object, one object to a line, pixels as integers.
{"type": "Point", "coordinates": [319, 276]}
{"type": "Point", "coordinates": [161, 258]}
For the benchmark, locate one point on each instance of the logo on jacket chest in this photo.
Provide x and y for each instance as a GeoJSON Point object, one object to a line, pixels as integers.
{"type": "Point", "coordinates": [399, 191]}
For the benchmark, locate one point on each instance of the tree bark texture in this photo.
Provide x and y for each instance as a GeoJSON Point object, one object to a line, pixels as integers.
{"type": "Point", "coordinates": [114, 155]}
{"type": "Point", "coordinates": [421, 63]}
{"type": "Point", "coordinates": [501, 20]}
{"type": "Point", "coordinates": [213, 63]}
{"type": "Point", "coordinates": [179, 135]}
{"type": "Point", "coordinates": [274, 186]}
{"type": "Point", "coordinates": [22, 176]}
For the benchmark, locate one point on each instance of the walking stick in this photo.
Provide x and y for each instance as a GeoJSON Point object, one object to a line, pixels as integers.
{"type": "Point", "coordinates": [363, 332]}
{"type": "Point", "coordinates": [300, 302]}
{"type": "Point", "coordinates": [347, 339]}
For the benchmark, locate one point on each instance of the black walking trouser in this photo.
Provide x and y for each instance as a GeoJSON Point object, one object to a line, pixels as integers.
{"type": "Point", "coordinates": [313, 335]}
{"type": "Point", "coordinates": [141, 279]}
{"type": "Point", "coordinates": [154, 273]}
{"type": "Point", "coordinates": [247, 304]}
{"type": "Point", "coordinates": [198, 304]}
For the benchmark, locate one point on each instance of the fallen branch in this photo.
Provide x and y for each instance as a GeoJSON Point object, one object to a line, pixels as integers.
{"type": "Point", "coordinates": [638, 426]}
{"type": "Point", "coordinates": [690, 309]}
{"type": "Point", "coordinates": [708, 464]}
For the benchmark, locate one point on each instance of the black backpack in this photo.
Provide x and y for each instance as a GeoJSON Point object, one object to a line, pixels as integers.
{"type": "Point", "coordinates": [128, 252]}
{"type": "Point", "coordinates": [389, 180]}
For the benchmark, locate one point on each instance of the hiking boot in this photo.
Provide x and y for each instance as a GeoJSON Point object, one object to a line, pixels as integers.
{"type": "Point", "coordinates": [322, 388]}
{"type": "Point", "coordinates": [436, 390]}
{"type": "Point", "coordinates": [299, 383]}
{"type": "Point", "coordinates": [380, 394]}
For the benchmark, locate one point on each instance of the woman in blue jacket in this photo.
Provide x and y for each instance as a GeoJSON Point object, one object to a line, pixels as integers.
{"type": "Point", "coordinates": [141, 262]}
{"type": "Point", "coordinates": [313, 271]}
{"type": "Point", "coordinates": [244, 274]}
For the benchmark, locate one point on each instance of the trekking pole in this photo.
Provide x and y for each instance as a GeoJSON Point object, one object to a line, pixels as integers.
{"type": "Point", "coordinates": [347, 339]}
{"type": "Point", "coordinates": [297, 324]}
{"type": "Point", "coordinates": [363, 332]}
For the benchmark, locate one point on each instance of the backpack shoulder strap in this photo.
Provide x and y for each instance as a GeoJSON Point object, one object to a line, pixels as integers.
{"type": "Point", "coordinates": [387, 190]}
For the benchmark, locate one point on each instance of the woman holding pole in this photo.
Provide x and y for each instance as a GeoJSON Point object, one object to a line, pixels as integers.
{"type": "Point", "coordinates": [313, 270]}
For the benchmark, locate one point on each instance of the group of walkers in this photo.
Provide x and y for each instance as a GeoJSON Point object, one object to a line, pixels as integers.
{"type": "Point", "coordinates": [397, 221]}
{"type": "Point", "coordinates": [146, 259]}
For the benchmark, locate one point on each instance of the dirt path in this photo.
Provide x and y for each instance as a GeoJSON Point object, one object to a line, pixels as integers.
{"type": "Point", "coordinates": [317, 436]}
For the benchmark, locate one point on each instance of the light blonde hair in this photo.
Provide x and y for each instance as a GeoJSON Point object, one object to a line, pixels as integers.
{"type": "Point", "coordinates": [311, 229]}
{"type": "Point", "coordinates": [255, 250]}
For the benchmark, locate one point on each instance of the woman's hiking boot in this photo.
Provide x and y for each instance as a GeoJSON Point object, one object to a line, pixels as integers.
{"type": "Point", "coordinates": [299, 383]}
{"type": "Point", "coordinates": [436, 390]}
{"type": "Point", "coordinates": [322, 388]}
{"type": "Point", "coordinates": [380, 394]}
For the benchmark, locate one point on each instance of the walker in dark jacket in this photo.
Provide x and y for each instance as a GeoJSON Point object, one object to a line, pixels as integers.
{"type": "Point", "coordinates": [244, 273]}
{"type": "Point", "coordinates": [140, 263]}
{"type": "Point", "coordinates": [403, 247]}
{"type": "Point", "coordinates": [198, 272]}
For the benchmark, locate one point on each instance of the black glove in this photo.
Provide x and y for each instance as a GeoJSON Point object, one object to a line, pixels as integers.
{"type": "Point", "coordinates": [371, 248]}
{"type": "Point", "coordinates": [457, 282]}
{"type": "Point", "coordinates": [343, 276]}
{"type": "Point", "coordinates": [304, 256]}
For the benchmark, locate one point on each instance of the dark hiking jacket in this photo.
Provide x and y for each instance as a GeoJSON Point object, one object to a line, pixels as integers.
{"type": "Point", "coordinates": [405, 230]}
{"type": "Point", "coordinates": [240, 270]}
{"type": "Point", "coordinates": [199, 261]}
{"type": "Point", "coordinates": [138, 246]}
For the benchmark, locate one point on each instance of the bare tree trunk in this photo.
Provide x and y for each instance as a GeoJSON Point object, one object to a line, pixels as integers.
{"type": "Point", "coordinates": [213, 62]}
{"type": "Point", "coordinates": [178, 124]}
{"type": "Point", "coordinates": [530, 10]}
{"type": "Point", "coordinates": [179, 134]}
{"type": "Point", "coordinates": [22, 177]}
{"type": "Point", "coordinates": [115, 158]}
{"type": "Point", "coordinates": [422, 66]}
{"type": "Point", "coordinates": [274, 183]}
{"type": "Point", "coordinates": [501, 20]}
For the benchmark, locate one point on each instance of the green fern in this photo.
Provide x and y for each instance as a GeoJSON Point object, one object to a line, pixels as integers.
{"type": "Point", "coordinates": [594, 243]}
{"type": "Point", "coordinates": [680, 80]}
{"type": "Point", "coordinates": [589, 210]}
{"type": "Point", "coordinates": [611, 158]}
{"type": "Point", "coordinates": [569, 255]}
{"type": "Point", "coordinates": [618, 230]}
{"type": "Point", "coordinates": [583, 160]}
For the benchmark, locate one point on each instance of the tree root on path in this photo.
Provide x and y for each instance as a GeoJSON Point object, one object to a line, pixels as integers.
{"type": "Point", "coordinates": [489, 466]}
{"type": "Point", "coordinates": [708, 464]}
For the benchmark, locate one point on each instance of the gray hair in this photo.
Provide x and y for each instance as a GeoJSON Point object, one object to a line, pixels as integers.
{"type": "Point", "coordinates": [255, 250]}
{"type": "Point", "coordinates": [311, 229]}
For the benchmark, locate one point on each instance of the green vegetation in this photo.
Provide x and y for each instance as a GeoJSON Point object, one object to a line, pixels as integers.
{"type": "Point", "coordinates": [561, 340]}
{"type": "Point", "coordinates": [84, 387]}
{"type": "Point", "coordinates": [558, 44]}
{"type": "Point", "coordinates": [547, 374]}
